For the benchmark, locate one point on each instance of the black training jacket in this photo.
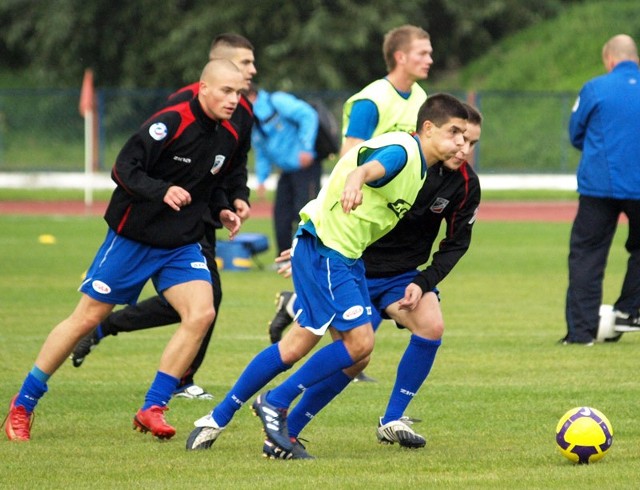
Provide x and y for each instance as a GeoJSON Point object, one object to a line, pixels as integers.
{"type": "Point", "coordinates": [179, 145]}
{"type": "Point", "coordinates": [452, 196]}
{"type": "Point", "coordinates": [231, 183]}
{"type": "Point", "coordinates": [233, 175]}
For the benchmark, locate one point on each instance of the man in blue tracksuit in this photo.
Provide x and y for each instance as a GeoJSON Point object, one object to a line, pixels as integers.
{"type": "Point", "coordinates": [285, 135]}
{"type": "Point", "coordinates": [605, 126]}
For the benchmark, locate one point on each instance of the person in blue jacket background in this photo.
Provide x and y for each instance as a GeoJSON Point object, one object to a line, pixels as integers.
{"type": "Point", "coordinates": [605, 126]}
{"type": "Point", "coordinates": [284, 136]}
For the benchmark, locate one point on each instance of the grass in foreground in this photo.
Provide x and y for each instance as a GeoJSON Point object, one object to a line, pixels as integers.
{"type": "Point", "coordinates": [489, 408]}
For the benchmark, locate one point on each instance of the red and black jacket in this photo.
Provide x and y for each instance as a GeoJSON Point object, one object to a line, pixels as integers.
{"type": "Point", "coordinates": [234, 175]}
{"type": "Point", "coordinates": [450, 196]}
{"type": "Point", "coordinates": [179, 145]}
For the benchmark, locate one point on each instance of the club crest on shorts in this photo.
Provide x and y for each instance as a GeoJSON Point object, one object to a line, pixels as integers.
{"type": "Point", "coordinates": [438, 205]}
{"type": "Point", "coordinates": [217, 164]}
{"type": "Point", "coordinates": [353, 312]}
{"type": "Point", "coordinates": [100, 287]}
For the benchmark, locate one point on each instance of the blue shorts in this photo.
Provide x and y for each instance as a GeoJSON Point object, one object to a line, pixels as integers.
{"type": "Point", "coordinates": [331, 292]}
{"type": "Point", "coordinates": [122, 267]}
{"type": "Point", "coordinates": [384, 291]}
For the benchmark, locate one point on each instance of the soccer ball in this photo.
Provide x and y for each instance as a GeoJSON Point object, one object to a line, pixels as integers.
{"type": "Point", "coordinates": [607, 325]}
{"type": "Point", "coordinates": [584, 435]}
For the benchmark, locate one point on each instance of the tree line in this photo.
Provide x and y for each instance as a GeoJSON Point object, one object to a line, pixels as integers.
{"type": "Point", "coordinates": [300, 45]}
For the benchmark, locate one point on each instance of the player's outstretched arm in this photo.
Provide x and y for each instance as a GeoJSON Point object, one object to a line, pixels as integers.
{"type": "Point", "coordinates": [351, 196]}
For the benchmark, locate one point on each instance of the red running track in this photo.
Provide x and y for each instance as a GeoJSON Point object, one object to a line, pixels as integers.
{"type": "Point", "coordinates": [563, 211]}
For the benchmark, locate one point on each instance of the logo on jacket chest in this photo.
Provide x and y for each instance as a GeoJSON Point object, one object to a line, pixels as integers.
{"type": "Point", "coordinates": [218, 162]}
{"type": "Point", "coordinates": [158, 131]}
{"type": "Point", "coordinates": [438, 205]}
{"type": "Point", "coordinates": [178, 158]}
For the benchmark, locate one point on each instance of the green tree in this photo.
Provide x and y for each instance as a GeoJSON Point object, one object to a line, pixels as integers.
{"type": "Point", "coordinates": [316, 44]}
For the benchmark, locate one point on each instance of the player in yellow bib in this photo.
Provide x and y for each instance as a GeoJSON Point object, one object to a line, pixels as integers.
{"type": "Point", "coordinates": [384, 201]}
{"type": "Point", "coordinates": [366, 195]}
{"type": "Point", "coordinates": [385, 105]}
{"type": "Point", "coordinates": [390, 103]}
{"type": "Point", "coordinates": [396, 111]}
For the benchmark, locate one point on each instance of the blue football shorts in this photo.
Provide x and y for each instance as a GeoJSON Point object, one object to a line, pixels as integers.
{"type": "Point", "coordinates": [384, 291]}
{"type": "Point", "coordinates": [331, 291]}
{"type": "Point", "coordinates": [122, 267]}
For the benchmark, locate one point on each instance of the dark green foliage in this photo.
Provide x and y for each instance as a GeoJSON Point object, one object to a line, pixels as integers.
{"type": "Point", "coordinates": [332, 44]}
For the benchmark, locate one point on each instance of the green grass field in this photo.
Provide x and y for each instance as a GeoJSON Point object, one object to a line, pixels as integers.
{"type": "Point", "coordinates": [489, 408]}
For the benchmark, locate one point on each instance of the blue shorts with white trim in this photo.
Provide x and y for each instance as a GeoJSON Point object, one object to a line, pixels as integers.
{"type": "Point", "coordinates": [331, 292]}
{"type": "Point", "coordinates": [122, 267]}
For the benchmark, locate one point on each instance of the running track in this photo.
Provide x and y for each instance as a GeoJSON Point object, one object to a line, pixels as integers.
{"type": "Point", "coordinates": [563, 211]}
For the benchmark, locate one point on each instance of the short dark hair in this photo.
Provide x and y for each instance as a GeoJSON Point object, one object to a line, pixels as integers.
{"type": "Point", "coordinates": [475, 117]}
{"type": "Point", "coordinates": [232, 40]}
{"type": "Point", "coordinates": [440, 108]}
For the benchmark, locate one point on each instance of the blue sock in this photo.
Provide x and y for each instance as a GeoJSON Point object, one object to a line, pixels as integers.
{"type": "Point", "coordinates": [413, 369]}
{"type": "Point", "coordinates": [263, 368]}
{"type": "Point", "coordinates": [160, 391]}
{"type": "Point", "coordinates": [325, 362]}
{"type": "Point", "coordinates": [99, 332]}
{"type": "Point", "coordinates": [33, 388]}
{"type": "Point", "coordinates": [314, 399]}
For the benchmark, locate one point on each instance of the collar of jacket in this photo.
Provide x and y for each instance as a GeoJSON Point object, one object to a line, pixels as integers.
{"type": "Point", "coordinates": [208, 123]}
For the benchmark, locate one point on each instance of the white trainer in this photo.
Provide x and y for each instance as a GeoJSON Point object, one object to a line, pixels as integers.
{"type": "Point", "coordinates": [193, 392]}
{"type": "Point", "coordinates": [399, 431]}
{"type": "Point", "coordinates": [205, 433]}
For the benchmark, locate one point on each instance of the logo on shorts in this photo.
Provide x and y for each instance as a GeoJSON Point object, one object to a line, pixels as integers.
{"type": "Point", "coordinates": [100, 287]}
{"type": "Point", "coordinates": [353, 312]}
{"type": "Point", "coordinates": [158, 131]}
{"type": "Point", "coordinates": [199, 265]}
{"type": "Point", "coordinates": [217, 164]}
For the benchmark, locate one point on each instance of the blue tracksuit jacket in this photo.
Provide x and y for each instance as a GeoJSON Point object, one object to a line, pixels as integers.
{"type": "Point", "coordinates": [285, 126]}
{"type": "Point", "coordinates": [605, 126]}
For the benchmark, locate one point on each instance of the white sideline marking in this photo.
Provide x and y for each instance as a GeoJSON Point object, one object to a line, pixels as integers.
{"type": "Point", "coordinates": [101, 181]}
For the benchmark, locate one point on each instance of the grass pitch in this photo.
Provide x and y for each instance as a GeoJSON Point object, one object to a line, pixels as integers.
{"type": "Point", "coordinates": [499, 385]}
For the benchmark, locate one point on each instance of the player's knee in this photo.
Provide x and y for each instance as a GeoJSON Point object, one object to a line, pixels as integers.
{"type": "Point", "coordinates": [290, 355]}
{"type": "Point", "coordinates": [200, 319]}
{"type": "Point", "coordinates": [360, 346]}
{"type": "Point", "coordinates": [435, 331]}
{"type": "Point", "coordinates": [296, 344]}
{"type": "Point", "coordinates": [358, 367]}
{"type": "Point", "coordinates": [83, 321]}
{"type": "Point", "coordinates": [82, 326]}
{"type": "Point", "coordinates": [207, 317]}
{"type": "Point", "coordinates": [432, 329]}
